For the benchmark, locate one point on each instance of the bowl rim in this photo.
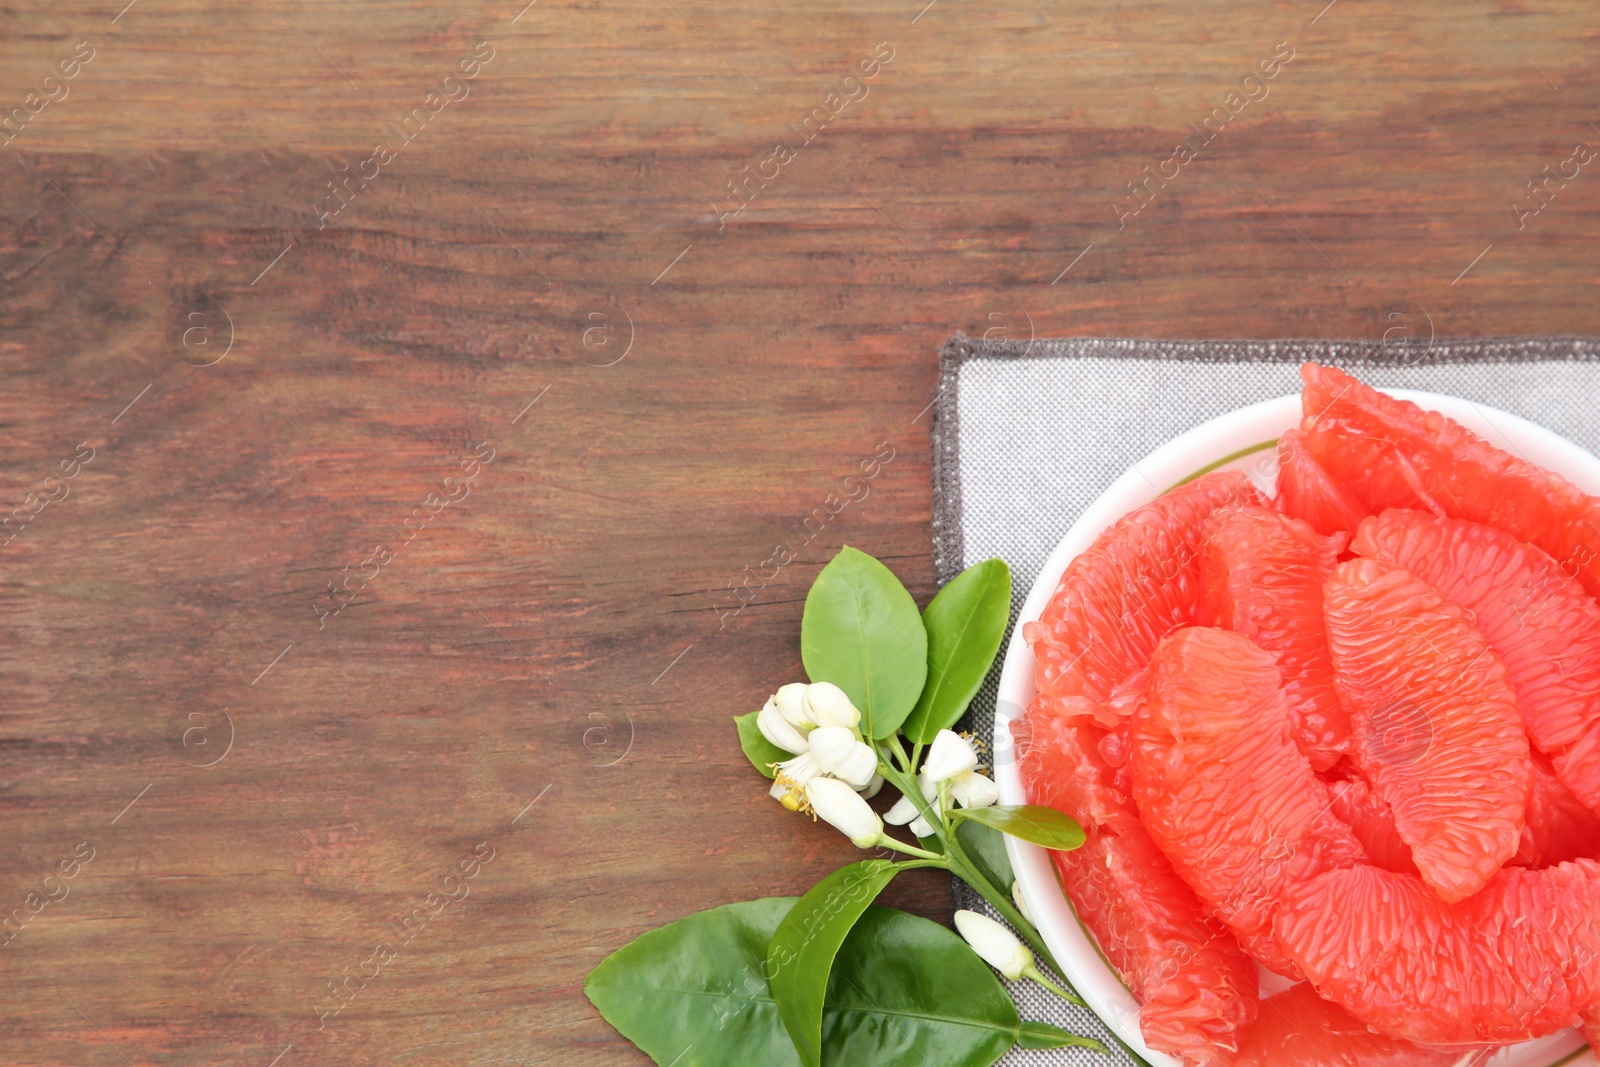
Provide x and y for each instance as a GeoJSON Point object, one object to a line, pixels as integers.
{"type": "Point", "coordinates": [1229, 440]}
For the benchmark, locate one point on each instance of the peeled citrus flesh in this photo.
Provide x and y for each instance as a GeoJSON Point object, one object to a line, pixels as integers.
{"type": "Point", "coordinates": [1195, 986]}
{"type": "Point", "coordinates": [1134, 585]}
{"type": "Point", "coordinates": [1559, 826]}
{"type": "Point", "coordinates": [1518, 960]}
{"type": "Point", "coordinates": [1541, 623]}
{"type": "Point", "coordinates": [1372, 821]}
{"type": "Point", "coordinates": [1297, 1028]}
{"type": "Point", "coordinates": [1435, 725]}
{"type": "Point", "coordinates": [1306, 491]}
{"type": "Point", "coordinates": [1261, 575]}
{"type": "Point", "coordinates": [1390, 453]}
{"type": "Point", "coordinates": [1222, 787]}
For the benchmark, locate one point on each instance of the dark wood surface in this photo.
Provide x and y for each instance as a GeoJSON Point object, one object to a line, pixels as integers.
{"type": "Point", "coordinates": [562, 634]}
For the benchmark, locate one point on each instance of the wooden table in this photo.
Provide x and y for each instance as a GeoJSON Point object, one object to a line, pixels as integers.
{"type": "Point", "coordinates": [387, 463]}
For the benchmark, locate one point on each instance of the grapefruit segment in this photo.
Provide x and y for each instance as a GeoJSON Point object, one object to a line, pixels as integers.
{"type": "Point", "coordinates": [1392, 454]}
{"type": "Point", "coordinates": [1223, 790]}
{"type": "Point", "coordinates": [1195, 987]}
{"type": "Point", "coordinates": [1372, 821]}
{"type": "Point", "coordinates": [1516, 961]}
{"type": "Point", "coordinates": [1196, 990]}
{"type": "Point", "coordinates": [1541, 624]}
{"type": "Point", "coordinates": [1435, 725]}
{"type": "Point", "coordinates": [1063, 766]}
{"type": "Point", "coordinates": [1306, 491]}
{"type": "Point", "coordinates": [1134, 585]}
{"type": "Point", "coordinates": [1261, 575]}
{"type": "Point", "coordinates": [1579, 767]}
{"type": "Point", "coordinates": [1297, 1028]}
{"type": "Point", "coordinates": [1559, 826]}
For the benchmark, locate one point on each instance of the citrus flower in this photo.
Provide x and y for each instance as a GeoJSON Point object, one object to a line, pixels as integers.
{"type": "Point", "coordinates": [1000, 949]}
{"type": "Point", "coordinates": [949, 755]}
{"type": "Point", "coordinates": [998, 946]}
{"type": "Point", "coordinates": [776, 727]}
{"type": "Point", "coordinates": [837, 752]}
{"type": "Point", "coordinates": [841, 807]}
{"type": "Point", "coordinates": [970, 789]}
{"type": "Point", "coordinates": [827, 705]}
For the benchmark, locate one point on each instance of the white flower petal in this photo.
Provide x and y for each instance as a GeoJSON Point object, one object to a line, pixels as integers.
{"type": "Point", "coordinates": [948, 756]}
{"type": "Point", "coordinates": [904, 810]}
{"type": "Point", "coordinates": [842, 808]}
{"type": "Point", "coordinates": [832, 745]}
{"type": "Point", "coordinates": [919, 826]}
{"type": "Point", "coordinates": [800, 770]}
{"type": "Point", "coordinates": [780, 731]}
{"type": "Point", "coordinates": [827, 705]}
{"type": "Point", "coordinates": [872, 787]}
{"type": "Point", "coordinates": [998, 946]}
{"type": "Point", "coordinates": [791, 700]}
{"type": "Point", "coordinates": [973, 790]}
{"type": "Point", "coordinates": [859, 767]}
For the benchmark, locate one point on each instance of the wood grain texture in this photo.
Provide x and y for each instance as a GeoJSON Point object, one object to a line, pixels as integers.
{"type": "Point", "coordinates": [564, 634]}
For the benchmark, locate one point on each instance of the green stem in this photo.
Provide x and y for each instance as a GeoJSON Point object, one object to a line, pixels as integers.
{"type": "Point", "coordinates": [1038, 976]}
{"type": "Point", "coordinates": [916, 755]}
{"type": "Point", "coordinates": [900, 753]}
{"type": "Point", "coordinates": [935, 859]}
{"type": "Point", "coordinates": [962, 867]}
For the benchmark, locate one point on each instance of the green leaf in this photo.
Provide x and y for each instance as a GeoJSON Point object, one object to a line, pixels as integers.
{"type": "Point", "coordinates": [986, 847]}
{"type": "Point", "coordinates": [800, 957]}
{"type": "Point", "coordinates": [903, 991]}
{"type": "Point", "coordinates": [757, 748]}
{"type": "Point", "coordinates": [1031, 822]}
{"type": "Point", "coordinates": [965, 624]}
{"type": "Point", "coordinates": [1043, 1035]}
{"type": "Point", "coordinates": [694, 993]}
{"type": "Point", "coordinates": [908, 991]}
{"type": "Point", "coordinates": [861, 631]}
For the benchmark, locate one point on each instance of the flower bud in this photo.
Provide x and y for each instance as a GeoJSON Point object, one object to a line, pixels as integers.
{"type": "Point", "coordinates": [949, 755]}
{"type": "Point", "coordinates": [842, 808]}
{"type": "Point", "coordinates": [826, 705]}
{"type": "Point", "coordinates": [872, 787]}
{"type": "Point", "coordinates": [997, 946]}
{"type": "Point", "coordinates": [779, 730]}
{"type": "Point", "coordinates": [973, 790]}
{"type": "Point", "coordinates": [791, 700]}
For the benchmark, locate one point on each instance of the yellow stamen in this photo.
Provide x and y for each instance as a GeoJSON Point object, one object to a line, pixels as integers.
{"type": "Point", "coordinates": [795, 798]}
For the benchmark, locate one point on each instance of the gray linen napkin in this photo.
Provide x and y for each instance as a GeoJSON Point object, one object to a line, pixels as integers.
{"type": "Point", "coordinates": [1027, 434]}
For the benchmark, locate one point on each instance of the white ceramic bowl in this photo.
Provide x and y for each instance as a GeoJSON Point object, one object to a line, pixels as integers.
{"type": "Point", "coordinates": [1240, 440]}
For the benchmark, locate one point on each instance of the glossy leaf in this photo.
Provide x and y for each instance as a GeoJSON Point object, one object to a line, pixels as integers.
{"type": "Point", "coordinates": [801, 954]}
{"type": "Point", "coordinates": [986, 847]}
{"type": "Point", "coordinates": [965, 624]}
{"type": "Point", "coordinates": [757, 749]}
{"type": "Point", "coordinates": [1031, 822]}
{"type": "Point", "coordinates": [908, 991]}
{"type": "Point", "coordinates": [694, 993]}
{"type": "Point", "coordinates": [903, 990]}
{"type": "Point", "coordinates": [861, 631]}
